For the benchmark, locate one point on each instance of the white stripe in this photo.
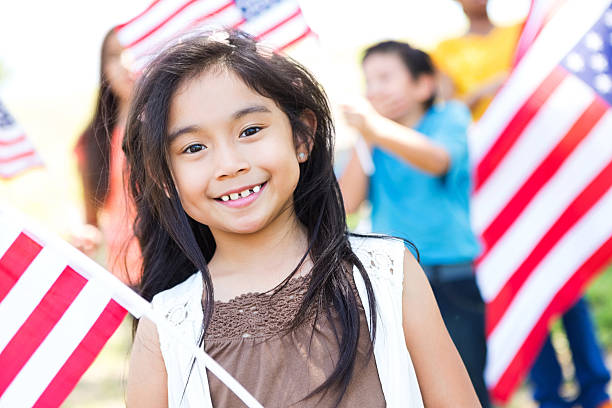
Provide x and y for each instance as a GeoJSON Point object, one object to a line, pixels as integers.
{"type": "Point", "coordinates": [286, 33]}
{"type": "Point", "coordinates": [587, 160]}
{"type": "Point", "coordinates": [176, 25]}
{"type": "Point", "coordinates": [27, 293]}
{"type": "Point", "coordinates": [549, 126]}
{"type": "Point", "coordinates": [8, 234]}
{"type": "Point", "coordinates": [10, 133]}
{"type": "Point", "coordinates": [557, 38]}
{"type": "Point", "coordinates": [148, 21]}
{"type": "Point", "coordinates": [57, 347]}
{"type": "Point", "coordinates": [14, 149]}
{"type": "Point", "coordinates": [269, 18]}
{"type": "Point", "coordinates": [15, 166]}
{"type": "Point", "coordinates": [550, 276]}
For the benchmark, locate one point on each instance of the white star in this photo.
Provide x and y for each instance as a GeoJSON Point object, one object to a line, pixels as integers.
{"type": "Point", "coordinates": [608, 18]}
{"type": "Point", "coordinates": [598, 62]}
{"type": "Point", "coordinates": [575, 62]}
{"type": "Point", "coordinates": [593, 41]}
{"type": "Point", "coordinates": [603, 83]}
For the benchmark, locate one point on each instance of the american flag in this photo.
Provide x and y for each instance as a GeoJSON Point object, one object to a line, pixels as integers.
{"type": "Point", "coordinates": [543, 198]}
{"type": "Point", "coordinates": [57, 310]}
{"type": "Point", "coordinates": [278, 23]}
{"type": "Point", "coordinates": [540, 12]}
{"type": "Point", "coordinates": [17, 153]}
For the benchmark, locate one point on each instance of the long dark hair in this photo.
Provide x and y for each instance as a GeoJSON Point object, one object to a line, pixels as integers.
{"type": "Point", "coordinates": [416, 61]}
{"type": "Point", "coordinates": [174, 245]}
{"type": "Point", "coordinates": [95, 141]}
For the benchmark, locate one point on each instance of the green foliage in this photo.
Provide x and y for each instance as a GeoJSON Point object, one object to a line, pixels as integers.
{"type": "Point", "coordinates": [599, 295]}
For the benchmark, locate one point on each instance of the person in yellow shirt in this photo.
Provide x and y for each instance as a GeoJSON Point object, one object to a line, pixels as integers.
{"type": "Point", "coordinates": [475, 65]}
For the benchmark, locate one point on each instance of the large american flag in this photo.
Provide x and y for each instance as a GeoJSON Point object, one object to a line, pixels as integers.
{"type": "Point", "coordinates": [278, 23]}
{"type": "Point", "coordinates": [540, 12]}
{"type": "Point", "coordinates": [17, 153]}
{"type": "Point", "coordinates": [543, 197]}
{"type": "Point", "coordinates": [57, 310]}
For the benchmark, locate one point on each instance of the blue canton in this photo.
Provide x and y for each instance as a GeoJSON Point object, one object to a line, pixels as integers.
{"type": "Point", "coordinates": [6, 119]}
{"type": "Point", "coordinates": [591, 59]}
{"type": "Point", "coordinates": [253, 8]}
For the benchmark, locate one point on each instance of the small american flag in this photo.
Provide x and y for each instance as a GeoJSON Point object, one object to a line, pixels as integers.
{"type": "Point", "coordinates": [17, 153]}
{"type": "Point", "coordinates": [278, 23]}
{"type": "Point", "coordinates": [543, 198]}
{"type": "Point", "coordinates": [57, 310]}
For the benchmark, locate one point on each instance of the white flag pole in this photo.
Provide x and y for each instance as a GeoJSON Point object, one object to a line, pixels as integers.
{"type": "Point", "coordinates": [364, 156]}
{"type": "Point", "coordinates": [122, 294]}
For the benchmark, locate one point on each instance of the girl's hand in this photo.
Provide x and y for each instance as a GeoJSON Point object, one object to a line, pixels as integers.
{"type": "Point", "coordinates": [87, 238]}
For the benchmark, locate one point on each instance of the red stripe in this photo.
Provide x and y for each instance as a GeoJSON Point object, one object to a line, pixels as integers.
{"type": "Point", "coordinates": [579, 206]}
{"type": "Point", "coordinates": [295, 40]}
{"type": "Point", "coordinates": [38, 325]}
{"type": "Point", "coordinates": [213, 13]}
{"type": "Point", "coordinates": [83, 356]}
{"type": "Point", "coordinates": [280, 23]}
{"type": "Point", "coordinates": [19, 156]}
{"type": "Point", "coordinates": [15, 140]}
{"type": "Point", "coordinates": [130, 21]}
{"type": "Point", "coordinates": [239, 23]}
{"type": "Point", "coordinates": [542, 174]}
{"type": "Point", "coordinates": [161, 24]}
{"type": "Point", "coordinates": [562, 301]}
{"type": "Point", "coordinates": [516, 126]}
{"type": "Point", "coordinates": [15, 261]}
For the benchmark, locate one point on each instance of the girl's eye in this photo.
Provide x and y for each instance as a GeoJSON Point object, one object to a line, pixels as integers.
{"type": "Point", "coordinates": [250, 131]}
{"type": "Point", "coordinates": [194, 148]}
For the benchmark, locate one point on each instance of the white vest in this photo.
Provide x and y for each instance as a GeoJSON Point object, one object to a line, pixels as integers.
{"type": "Point", "coordinates": [383, 260]}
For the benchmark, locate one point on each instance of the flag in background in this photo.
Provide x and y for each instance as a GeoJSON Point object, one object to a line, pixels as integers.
{"type": "Point", "coordinates": [543, 198]}
{"type": "Point", "coordinates": [279, 23]}
{"type": "Point", "coordinates": [540, 12]}
{"type": "Point", "coordinates": [17, 153]}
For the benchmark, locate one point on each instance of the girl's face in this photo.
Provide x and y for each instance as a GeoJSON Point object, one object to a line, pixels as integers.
{"type": "Point", "coordinates": [117, 74]}
{"type": "Point", "coordinates": [391, 88]}
{"type": "Point", "coordinates": [232, 154]}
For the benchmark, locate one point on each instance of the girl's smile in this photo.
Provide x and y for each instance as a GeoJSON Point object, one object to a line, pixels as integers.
{"type": "Point", "coordinates": [241, 197]}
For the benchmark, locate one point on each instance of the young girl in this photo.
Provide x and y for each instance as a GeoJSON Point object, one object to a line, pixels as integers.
{"type": "Point", "coordinates": [108, 213]}
{"type": "Point", "coordinates": [246, 249]}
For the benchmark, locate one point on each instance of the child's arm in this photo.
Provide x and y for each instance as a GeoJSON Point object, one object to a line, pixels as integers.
{"type": "Point", "coordinates": [147, 381]}
{"type": "Point", "coordinates": [353, 184]}
{"type": "Point", "coordinates": [442, 377]}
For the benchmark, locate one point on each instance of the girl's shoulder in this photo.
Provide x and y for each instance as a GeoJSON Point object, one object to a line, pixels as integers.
{"type": "Point", "coordinates": [181, 301]}
{"type": "Point", "coordinates": [382, 256]}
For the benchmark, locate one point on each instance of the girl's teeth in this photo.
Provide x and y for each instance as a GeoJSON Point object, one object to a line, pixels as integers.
{"type": "Point", "coordinates": [256, 189]}
{"type": "Point", "coordinates": [225, 198]}
{"type": "Point", "coordinates": [234, 196]}
{"type": "Point", "coordinates": [245, 193]}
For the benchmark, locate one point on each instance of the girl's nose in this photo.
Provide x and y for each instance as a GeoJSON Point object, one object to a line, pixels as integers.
{"type": "Point", "coordinates": [230, 162]}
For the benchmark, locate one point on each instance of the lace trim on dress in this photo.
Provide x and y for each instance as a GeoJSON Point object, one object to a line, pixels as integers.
{"type": "Point", "coordinates": [257, 314]}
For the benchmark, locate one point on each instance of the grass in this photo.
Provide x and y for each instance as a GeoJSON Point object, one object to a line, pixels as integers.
{"type": "Point", "coordinates": [599, 295]}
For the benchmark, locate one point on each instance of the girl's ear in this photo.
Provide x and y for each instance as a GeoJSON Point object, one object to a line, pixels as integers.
{"type": "Point", "coordinates": [426, 86]}
{"type": "Point", "coordinates": [305, 141]}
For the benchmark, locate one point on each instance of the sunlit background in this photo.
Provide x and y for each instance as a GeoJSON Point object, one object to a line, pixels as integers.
{"type": "Point", "coordinates": [49, 67]}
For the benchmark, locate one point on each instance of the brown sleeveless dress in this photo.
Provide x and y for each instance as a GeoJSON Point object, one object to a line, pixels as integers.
{"type": "Point", "coordinates": [248, 337]}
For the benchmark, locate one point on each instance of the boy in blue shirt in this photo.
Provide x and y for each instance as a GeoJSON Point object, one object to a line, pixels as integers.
{"type": "Point", "coordinates": [419, 189]}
